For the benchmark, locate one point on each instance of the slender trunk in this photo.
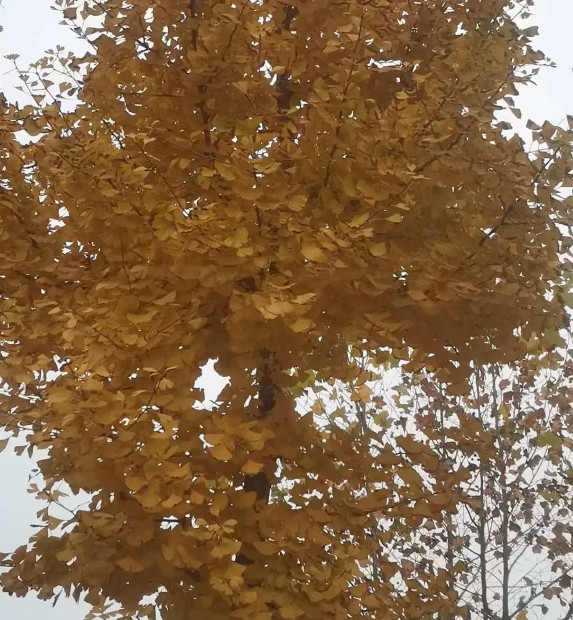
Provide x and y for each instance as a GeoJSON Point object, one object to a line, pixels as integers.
{"type": "Point", "coordinates": [260, 483]}
{"type": "Point", "coordinates": [486, 611]}
{"type": "Point", "coordinates": [505, 508]}
{"type": "Point", "coordinates": [505, 547]}
{"type": "Point", "coordinates": [267, 391]}
{"type": "Point", "coordinates": [482, 522]}
{"type": "Point", "coordinates": [376, 561]}
{"type": "Point", "coordinates": [448, 520]}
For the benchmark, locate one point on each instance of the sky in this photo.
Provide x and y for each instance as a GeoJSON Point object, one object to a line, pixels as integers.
{"type": "Point", "coordinates": [30, 27]}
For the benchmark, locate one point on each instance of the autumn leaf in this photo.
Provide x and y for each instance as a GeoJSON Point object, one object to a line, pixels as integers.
{"type": "Point", "coordinates": [251, 467]}
{"type": "Point", "coordinates": [129, 565]}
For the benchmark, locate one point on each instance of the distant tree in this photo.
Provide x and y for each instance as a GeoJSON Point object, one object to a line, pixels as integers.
{"type": "Point", "coordinates": [513, 531]}
{"type": "Point", "coordinates": [507, 547]}
{"type": "Point", "coordinates": [267, 185]}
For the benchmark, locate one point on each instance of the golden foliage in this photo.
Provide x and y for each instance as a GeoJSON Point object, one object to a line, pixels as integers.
{"type": "Point", "coordinates": [264, 184]}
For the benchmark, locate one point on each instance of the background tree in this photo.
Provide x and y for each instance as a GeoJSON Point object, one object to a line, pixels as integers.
{"type": "Point", "coordinates": [265, 184]}
{"type": "Point", "coordinates": [513, 532]}
{"type": "Point", "coordinates": [507, 546]}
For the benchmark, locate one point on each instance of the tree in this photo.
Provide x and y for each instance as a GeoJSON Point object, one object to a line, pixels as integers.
{"type": "Point", "coordinates": [507, 545]}
{"type": "Point", "coordinates": [511, 532]}
{"type": "Point", "coordinates": [265, 184]}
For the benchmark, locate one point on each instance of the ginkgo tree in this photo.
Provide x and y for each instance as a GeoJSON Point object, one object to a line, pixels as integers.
{"type": "Point", "coordinates": [507, 546]}
{"type": "Point", "coordinates": [512, 531]}
{"type": "Point", "coordinates": [265, 184]}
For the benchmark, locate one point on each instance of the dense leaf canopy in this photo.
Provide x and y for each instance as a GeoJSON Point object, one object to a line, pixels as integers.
{"type": "Point", "coordinates": [266, 184]}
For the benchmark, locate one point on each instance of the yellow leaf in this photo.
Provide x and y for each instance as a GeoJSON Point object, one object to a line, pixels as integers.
{"type": "Point", "coordinates": [168, 552]}
{"type": "Point", "coordinates": [378, 249]}
{"type": "Point", "coordinates": [58, 395]}
{"type": "Point", "coordinates": [439, 499]}
{"type": "Point", "coordinates": [129, 338]}
{"type": "Point", "coordinates": [171, 501]}
{"type": "Point", "coordinates": [504, 410]}
{"type": "Point", "coordinates": [410, 476]}
{"type": "Point", "coordinates": [66, 554]}
{"type": "Point", "coordinates": [411, 446]}
{"type": "Point", "coordinates": [291, 612]}
{"type": "Point", "coordinates": [314, 253]}
{"type": "Point", "coordinates": [422, 509]}
{"type": "Point", "coordinates": [251, 468]}
{"type": "Point", "coordinates": [371, 602]}
{"type": "Point", "coordinates": [297, 203]}
{"type": "Point", "coordinates": [301, 325]}
{"type": "Point", "coordinates": [238, 239]}
{"type": "Point", "coordinates": [358, 220]}
{"type": "Point", "coordinates": [278, 308]}
{"type": "Point", "coordinates": [219, 503]}
{"type": "Point", "coordinates": [134, 483]}
{"type": "Point", "coordinates": [144, 317]}
{"type": "Point", "coordinates": [417, 295]}
{"type": "Point", "coordinates": [265, 547]}
{"type": "Point", "coordinates": [214, 438]}
{"type": "Point", "coordinates": [221, 453]}
{"type": "Point", "coordinates": [31, 126]}
{"type": "Point", "coordinates": [395, 219]}
{"type": "Point", "coordinates": [175, 470]}
{"type": "Point", "coordinates": [234, 570]}
{"type": "Point", "coordinates": [458, 389]}
{"type": "Point", "coordinates": [303, 299]}
{"type": "Point", "coordinates": [166, 299]}
{"type": "Point", "coordinates": [130, 565]}
{"type": "Point", "coordinates": [92, 385]}
{"type": "Point", "coordinates": [227, 547]}
{"type": "Point", "coordinates": [148, 498]}
{"type": "Point", "coordinates": [248, 597]}
{"type": "Point", "coordinates": [225, 170]}
{"type": "Point", "coordinates": [196, 498]}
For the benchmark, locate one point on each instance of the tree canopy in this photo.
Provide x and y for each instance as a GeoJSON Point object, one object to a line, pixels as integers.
{"type": "Point", "coordinates": [268, 185]}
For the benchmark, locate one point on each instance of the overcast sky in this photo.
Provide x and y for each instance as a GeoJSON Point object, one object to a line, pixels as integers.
{"type": "Point", "coordinates": [30, 27]}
